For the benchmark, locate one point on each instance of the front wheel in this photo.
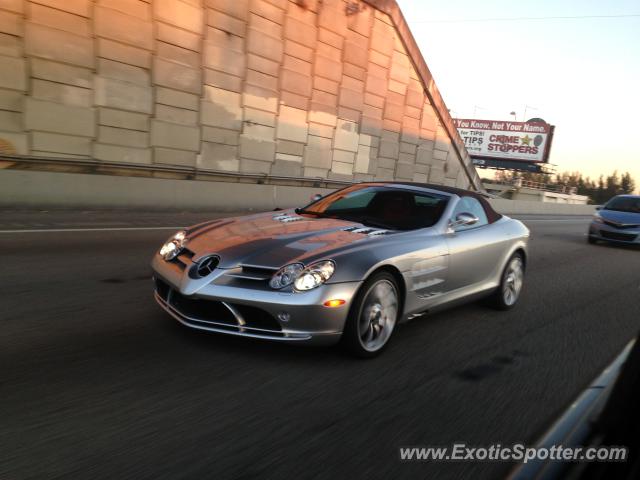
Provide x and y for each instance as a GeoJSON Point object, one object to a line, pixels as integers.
{"type": "Point", "coordinates": [512, 281]}
{"type": "Point", "coordinates": [373, 316]}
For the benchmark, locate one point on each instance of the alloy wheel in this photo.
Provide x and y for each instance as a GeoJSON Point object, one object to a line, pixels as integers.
{"type": "Point", "coordinates": [513, 280]}
{"type": "Point", "coordinates": [378, 315]}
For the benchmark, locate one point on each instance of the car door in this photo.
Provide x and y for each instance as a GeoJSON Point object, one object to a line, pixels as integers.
{"type": "Point", "coordinates": [474, 250]}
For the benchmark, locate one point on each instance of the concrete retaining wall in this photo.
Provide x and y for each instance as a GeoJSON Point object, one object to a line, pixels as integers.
{"type": "Point", "coordinates": [34, 189]}
{"type": "Point", "coordinates": [30, 189]}
{"type": "Point", "coordinates": [332, 88]}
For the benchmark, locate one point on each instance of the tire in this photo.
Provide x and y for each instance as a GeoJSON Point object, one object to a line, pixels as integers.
{"type": "Point", "coordinates": [507, 294]}
{"type": "Point", "coordinates": [373, 316]}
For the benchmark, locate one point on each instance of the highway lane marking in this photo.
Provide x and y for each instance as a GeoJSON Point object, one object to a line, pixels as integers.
{"type": "Point", "coordinates": [553, 220]}
{"type": "Point", "coordinates": [80, 230]}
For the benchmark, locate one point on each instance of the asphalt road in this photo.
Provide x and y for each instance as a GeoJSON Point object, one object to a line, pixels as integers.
{"type": "Point", "coordinates": [97, 382]}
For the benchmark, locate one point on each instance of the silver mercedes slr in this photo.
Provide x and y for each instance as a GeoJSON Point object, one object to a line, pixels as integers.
{"type": "Point", "coordinates": [346, 268]}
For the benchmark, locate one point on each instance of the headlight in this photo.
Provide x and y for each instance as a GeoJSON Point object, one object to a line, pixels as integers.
{"type": "Point", "coordinates": [173, 246]}
{"type": "Point", "coordinates": [286, 275]}
{"type": "Point", "coordinates": [314, 275]}
{"type": "Point", "coordinates": [597, 218]}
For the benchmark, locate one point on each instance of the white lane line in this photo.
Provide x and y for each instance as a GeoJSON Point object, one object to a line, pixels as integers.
{"type": "Point", "coordinates": [76, 230]}
{"type": "Point", "coordinates": [555, 220]}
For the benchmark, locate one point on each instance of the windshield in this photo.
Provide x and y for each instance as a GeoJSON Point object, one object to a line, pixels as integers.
{"type": "Point", "coordinates": [624, 204]}
{"type": "Point", "coordinates": [381, 206]}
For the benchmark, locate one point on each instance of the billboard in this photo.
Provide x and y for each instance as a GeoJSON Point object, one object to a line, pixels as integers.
{"type": "Point", "coordinates": [506, 140]}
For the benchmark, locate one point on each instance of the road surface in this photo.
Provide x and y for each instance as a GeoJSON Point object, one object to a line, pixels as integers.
{"type": "Point", "coordinates": [98, 382]}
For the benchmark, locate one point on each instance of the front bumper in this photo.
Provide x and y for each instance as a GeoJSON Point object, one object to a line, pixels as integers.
{"type": "Point", "coordinates": [609, 233]}
{"type": "Point", "coordinates": [254, 312]}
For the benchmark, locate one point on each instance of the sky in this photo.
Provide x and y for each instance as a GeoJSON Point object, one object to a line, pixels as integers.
{"type": "Point", "coordinates": [581, 75]}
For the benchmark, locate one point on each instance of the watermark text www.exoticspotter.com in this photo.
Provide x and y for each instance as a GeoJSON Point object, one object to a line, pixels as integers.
{"type": "Point", "coordinates": [460, 452]}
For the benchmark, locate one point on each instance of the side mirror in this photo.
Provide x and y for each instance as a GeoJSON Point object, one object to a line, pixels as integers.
{"type": "Point", "coordinates": [464, 219]}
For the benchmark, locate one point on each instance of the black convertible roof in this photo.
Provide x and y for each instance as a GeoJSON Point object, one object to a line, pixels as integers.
{"type": "Point", "coordinates": [492, 215]}
{"type": "Point", "coordinates": [453, 190]}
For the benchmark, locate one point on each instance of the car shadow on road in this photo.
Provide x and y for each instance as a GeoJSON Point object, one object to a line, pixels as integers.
{"type": "Point", "coordinates": [618, 246]}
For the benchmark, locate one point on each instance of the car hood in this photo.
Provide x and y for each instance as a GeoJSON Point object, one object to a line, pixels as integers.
{"type": "Point", "coordinates": [624, 218]}
{"type": "Point", "coordinates": [275, 239]}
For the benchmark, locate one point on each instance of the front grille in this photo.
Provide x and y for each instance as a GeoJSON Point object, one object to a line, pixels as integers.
{"type": "Point", "coordinates": [197, 311]}
{"type": "Point", "coordinates": [203, 310]}
{"type": "Point", "coordinates": [257, 318]}
{"type": "Point", "coordinates": [623, 237]}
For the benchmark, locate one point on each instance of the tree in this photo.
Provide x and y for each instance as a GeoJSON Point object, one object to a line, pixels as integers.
{"type": "Point", "coordinates": [612, 187]}
{"type": "Point", "coordinates": [599, 194]}
{"type": "Point", "coordinates": [627, 183]}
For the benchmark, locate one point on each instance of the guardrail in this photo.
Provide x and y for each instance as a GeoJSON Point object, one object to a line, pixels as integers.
{"type": "Point", "coordinates": [90, 165]}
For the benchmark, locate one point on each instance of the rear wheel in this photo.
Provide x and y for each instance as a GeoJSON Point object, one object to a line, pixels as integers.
{"type": "Point", "coordinates": [512, 281]}
{"type": "Point", "coordinates": [373, 316]}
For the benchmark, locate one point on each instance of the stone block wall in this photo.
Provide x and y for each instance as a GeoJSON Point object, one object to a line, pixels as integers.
{"type": "Point", "coordinates": [301, 88]}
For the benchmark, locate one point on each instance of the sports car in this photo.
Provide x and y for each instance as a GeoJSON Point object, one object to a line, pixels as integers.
{"type": "Point", "coordinates": [347, 268]}
{"type": "Point", "coordinates": [618, 221]}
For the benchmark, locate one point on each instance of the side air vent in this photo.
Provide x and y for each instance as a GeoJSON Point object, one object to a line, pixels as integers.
{"type": "Point", "coordinates": [369, 231]}
{"type": "Point", "coordinates": [375, 233]}
{"type": "Point", "coordinates": [286, 218]}
{"type": "Point", "coordinates": [252, 272]}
